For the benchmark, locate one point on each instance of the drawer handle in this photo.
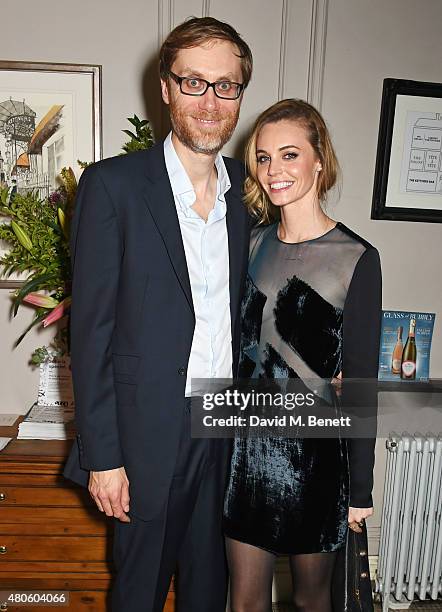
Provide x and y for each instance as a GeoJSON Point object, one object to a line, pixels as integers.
{"type": "Point", "coordinates": [2, 498]}
{"type": "Point", "coordinates": [3, 550]}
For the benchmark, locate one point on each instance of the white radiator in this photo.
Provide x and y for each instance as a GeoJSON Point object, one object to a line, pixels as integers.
{"type": "Point", "coordinates": [410, 549]}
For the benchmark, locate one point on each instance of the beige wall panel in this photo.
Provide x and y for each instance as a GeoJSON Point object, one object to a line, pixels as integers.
{"type": "Point", "coordinates": [260, 25]}
{"type": "Point", "coordinates": [190, 8]}
{"type": "Point", "coordinates": [296, 38]}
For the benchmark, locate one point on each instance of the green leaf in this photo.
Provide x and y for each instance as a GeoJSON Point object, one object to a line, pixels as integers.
{"type": "Point", "coordinates": [83, 164]}
{"type": "Point", "coordinates": [130, 134]}
{"type": "Point", "coordinates": [4, 195]}
{"type": "Point", "coordinates": [30, 285]}
{"type": "Point", "coordinates": [54, 226]}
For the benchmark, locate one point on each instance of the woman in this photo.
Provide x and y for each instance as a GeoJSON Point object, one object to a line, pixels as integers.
{"type": "Point", "coordinates": [311, 310]}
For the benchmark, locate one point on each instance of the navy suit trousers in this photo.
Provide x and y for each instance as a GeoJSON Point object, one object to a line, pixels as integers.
{"type": "Point", "coordinates": [185, 540]}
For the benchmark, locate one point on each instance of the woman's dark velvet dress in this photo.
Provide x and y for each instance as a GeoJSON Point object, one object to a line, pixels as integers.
{"type": "Point", "coordinates": [310, 310]}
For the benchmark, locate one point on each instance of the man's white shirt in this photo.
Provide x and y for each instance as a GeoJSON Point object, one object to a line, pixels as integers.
{"type": "Point", "coordinates": [207, 256]}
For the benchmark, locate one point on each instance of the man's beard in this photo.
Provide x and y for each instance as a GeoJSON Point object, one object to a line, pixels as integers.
{"type": "Point", "coordinates": [199, 141]}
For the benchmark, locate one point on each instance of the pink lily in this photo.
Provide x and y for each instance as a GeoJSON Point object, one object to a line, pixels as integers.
{"type": "Point", "coordinates": [58, 312]}
{"type": "Point", "coordinates": [38, 299]}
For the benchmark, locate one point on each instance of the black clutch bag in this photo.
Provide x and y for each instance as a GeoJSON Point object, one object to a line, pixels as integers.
{"type": "Point", "coordinates": [351, 586]}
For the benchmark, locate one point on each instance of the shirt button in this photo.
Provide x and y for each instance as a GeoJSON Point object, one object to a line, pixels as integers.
{"type": "Point", "coordinates": [181, 371]}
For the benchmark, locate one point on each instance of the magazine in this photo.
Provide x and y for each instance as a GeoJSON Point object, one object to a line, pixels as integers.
{"type": "Point", "coordinates": [404, 353]}
{"type": "Point", "coordinates": [47, 423]}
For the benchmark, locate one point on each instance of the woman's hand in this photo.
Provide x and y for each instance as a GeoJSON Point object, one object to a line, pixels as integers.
{"type": "Point", "coordinates": [356, 516]}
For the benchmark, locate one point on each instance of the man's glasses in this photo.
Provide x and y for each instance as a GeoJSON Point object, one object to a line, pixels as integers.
{"type": "Point", "coordinates": [194, 86]}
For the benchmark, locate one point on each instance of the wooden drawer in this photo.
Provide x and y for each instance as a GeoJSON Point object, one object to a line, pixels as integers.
{"type": "Point", "coordinates": [34, 480]}
{"type": "Point", "coordinates": [54, 528]}
{"type": "Point", "coordinates": [54, 548]}
{"type": "Point", "coordinates": [62, 580]}
{"type": "Point", "coordinates": [16, 568]}
{"type": "Point", "coordinates": [21, 520]}
{"type": "Point", "coordinates": [44, 496]}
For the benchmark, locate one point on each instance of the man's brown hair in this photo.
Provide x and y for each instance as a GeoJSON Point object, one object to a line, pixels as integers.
{"type": "Point", "coordinates": [197, 31]}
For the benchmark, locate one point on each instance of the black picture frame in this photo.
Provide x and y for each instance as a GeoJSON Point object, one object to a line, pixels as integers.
{"type": "Point", "coordinates": [388, 154]}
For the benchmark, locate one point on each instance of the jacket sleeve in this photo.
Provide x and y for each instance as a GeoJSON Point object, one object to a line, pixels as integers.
{"type": "Point", "coordinates": [361, 338]}
{"type": "Point", "coordinates": [96, 252]}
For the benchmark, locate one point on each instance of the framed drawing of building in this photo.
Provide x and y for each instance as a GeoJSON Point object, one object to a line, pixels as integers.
{"type": "Point", "coordinates": [50, 117]}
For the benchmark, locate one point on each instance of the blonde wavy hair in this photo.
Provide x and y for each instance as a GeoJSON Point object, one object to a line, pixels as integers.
{"type": "Point", "coordinates": [304, 114]}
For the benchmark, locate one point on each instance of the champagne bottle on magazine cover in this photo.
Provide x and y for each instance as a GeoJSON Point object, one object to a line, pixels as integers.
{"type": "Point", "coordinates": [396, 357]}
{"type": "Point", "coordinates": [409, 356]}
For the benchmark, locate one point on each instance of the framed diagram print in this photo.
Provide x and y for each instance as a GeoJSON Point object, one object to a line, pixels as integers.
{"type": "Point", "coordinates": [408, 175]}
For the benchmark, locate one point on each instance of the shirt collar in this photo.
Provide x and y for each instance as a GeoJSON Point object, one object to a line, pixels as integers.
{"type": "Point", "coordinates": [179, 179]}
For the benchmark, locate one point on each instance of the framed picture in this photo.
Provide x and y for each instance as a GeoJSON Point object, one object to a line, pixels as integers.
{"type": "Point", "coordinates": [50, 117]}
{"type": "Point", "coordinates": [408, 175]}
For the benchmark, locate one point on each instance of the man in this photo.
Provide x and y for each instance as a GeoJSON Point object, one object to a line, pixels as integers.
{"type": "Point", "coordinates": [159, 249]}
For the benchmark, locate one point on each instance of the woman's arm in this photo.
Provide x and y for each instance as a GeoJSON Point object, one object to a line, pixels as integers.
{"type": "Point", "coordinates": [361, 337]}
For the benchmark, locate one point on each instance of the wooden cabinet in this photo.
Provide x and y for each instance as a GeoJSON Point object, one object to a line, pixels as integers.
{"type": "Point", "coordinates": [52, 537]}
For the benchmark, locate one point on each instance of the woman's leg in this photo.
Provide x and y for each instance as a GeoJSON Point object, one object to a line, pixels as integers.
{"type": "Point", "coordinates": [251, 576]}
{"type": "Point", "coordinates": [312, 576]}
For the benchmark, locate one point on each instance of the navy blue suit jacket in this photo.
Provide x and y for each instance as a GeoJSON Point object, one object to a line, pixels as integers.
{"type": "Point", "coordinates": [132, 320]}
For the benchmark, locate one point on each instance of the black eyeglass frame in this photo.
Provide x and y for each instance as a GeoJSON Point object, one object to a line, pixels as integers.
{"type": "Point", "coordinates": [179, 80]}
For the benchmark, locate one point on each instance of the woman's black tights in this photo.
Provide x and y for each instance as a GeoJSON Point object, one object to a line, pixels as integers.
{"type": "Point", "coordinates": [251, 576]}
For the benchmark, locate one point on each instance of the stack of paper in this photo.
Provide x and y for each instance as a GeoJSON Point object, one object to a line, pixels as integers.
{"type": "Point", "coordinates": [47, 423]}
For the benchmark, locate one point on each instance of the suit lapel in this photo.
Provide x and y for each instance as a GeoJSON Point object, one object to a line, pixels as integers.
{"type": "Point", "coordinates": [160, 201]}
{"type": "Point", "coordinates": [235, 221]}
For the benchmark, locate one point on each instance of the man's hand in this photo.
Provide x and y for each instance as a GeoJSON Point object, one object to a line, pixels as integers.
{"type": "Point", "coordinates": [356, 516]}
{"type": "Point", "coordinates": [110, 491]}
